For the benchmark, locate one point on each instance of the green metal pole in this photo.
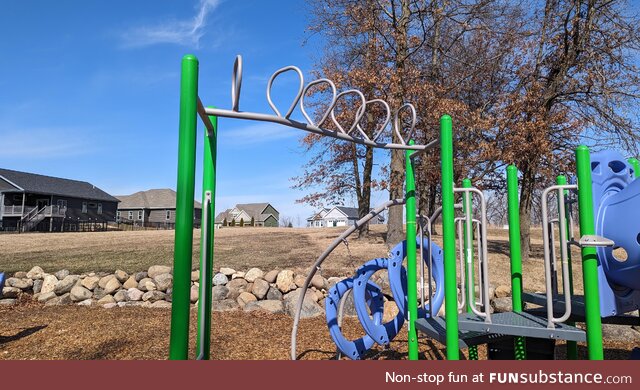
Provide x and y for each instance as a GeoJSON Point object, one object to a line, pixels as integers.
{"type": "Point", "coordinates": [208, 185]}
{"type": "Point", "coordinates": [516, 254]}
{"type": "Point", "coordinates": [179, 340]}
{"type": "Point", "coordinates": [412, 293]}
{"type": "Point", "coordinates": [467, 208]}
{"type": "Point", "coordinates": [572, 346]}
{"type": "Point", "coordinates": [449, 238]}
{"type": "Point", "coordinates": [636, 166]}
{"type": "Point", "coordinates": [589, 260]}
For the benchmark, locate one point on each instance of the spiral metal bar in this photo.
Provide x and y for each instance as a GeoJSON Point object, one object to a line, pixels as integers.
{"type": "Point", "coordinates": [355, 132]}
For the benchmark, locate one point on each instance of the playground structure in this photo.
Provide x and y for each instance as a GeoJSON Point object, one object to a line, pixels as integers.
{"type": "Point", "coordinates": [476, 324]}
{"type": "Point", "coordinates": [2, 277]}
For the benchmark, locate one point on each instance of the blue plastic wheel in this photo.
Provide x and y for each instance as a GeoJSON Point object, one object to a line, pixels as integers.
{"type": "Point", "coordinates": [353, 349]}
{"type": "Point", "coordinates": [381, 333]}
{"type": "Point", "coordinates": [398, 276]}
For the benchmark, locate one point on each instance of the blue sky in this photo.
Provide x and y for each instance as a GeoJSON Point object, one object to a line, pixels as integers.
{"type": "Point", "coordinates": [90, 92]}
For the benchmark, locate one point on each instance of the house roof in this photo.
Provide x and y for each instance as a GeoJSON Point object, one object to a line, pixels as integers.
{"type": "Point", "coordinates": [351, 212]}
{"type": "Point", "coordinates": [255, 211]}
{"type": "Point", "coordinates": [164, 198]}
{"type": "Point", "coordinates": [220, 217]}
{"type": "Point", "coordinates": [49, 185]}
{"type": "Point", "coordinates": [319, 214]}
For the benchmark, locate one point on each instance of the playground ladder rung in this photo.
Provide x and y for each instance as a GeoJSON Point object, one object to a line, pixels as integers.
{"type": "Point", "coordinates": [520, 324]}
{"type": "Point", "coordinates": [435, 329]}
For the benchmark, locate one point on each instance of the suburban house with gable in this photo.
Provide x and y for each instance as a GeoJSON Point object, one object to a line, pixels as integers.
{"type": "Point", "coordinates": [152, 208]}
{"type": "Point", "coordinates": [338, 216]}
{"type": "Point", "coordinates": [249, 214]}
{"type": "Point", "coordinates": [32, 202]}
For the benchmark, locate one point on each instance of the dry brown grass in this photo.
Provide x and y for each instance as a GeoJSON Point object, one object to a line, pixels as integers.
{"type": "Point", "coordinates": [241, 249]}
{"type": "Point", "coordinates": [29, 331]}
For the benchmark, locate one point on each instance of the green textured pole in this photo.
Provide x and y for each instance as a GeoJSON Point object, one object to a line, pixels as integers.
{"type": "Point", "coordinates": [467, 208]}
{"type": "Point", "coordinates": [636, 166]}
{"type": "Point", "coordinates": [412, 291]}
{"type": "Point", "coordinates": [572, 346]}
{"type": "Point", "coordinates": [208, 184]}
{"type": "Point", "coordinates": [449, 238]}
{"type": "Point", "coordinates": [516, 254]}
{"type": "Point", "coordinates": [179, 340]}
{"type": "Point", "coordinates": [589, 260]}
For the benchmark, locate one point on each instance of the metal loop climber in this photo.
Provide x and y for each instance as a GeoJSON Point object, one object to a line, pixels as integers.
{"type": "Point", "coordinates": [355, 132]}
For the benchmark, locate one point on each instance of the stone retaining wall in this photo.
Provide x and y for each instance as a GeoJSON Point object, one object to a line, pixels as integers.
{"type": "Point", "coordinates": [275, 291]}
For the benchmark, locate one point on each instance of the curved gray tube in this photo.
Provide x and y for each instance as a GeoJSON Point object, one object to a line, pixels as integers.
{"type": "Point", "coordinates": [323, 257]}
{"type": "Point", "coordinates": [334, 245]}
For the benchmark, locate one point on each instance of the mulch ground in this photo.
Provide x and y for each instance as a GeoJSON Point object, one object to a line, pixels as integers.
{"type": "Point", "coordinates": [32, 331]}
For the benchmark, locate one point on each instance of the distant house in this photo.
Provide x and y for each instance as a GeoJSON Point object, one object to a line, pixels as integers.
{"type": "Point", "coordinates": [249, 214]}
{"type": "Point", "coordinates": [338, 216]}
{"type": "Point", "coordinates": [152, 208]}
{"type": "Point", "coordinates": [44, 203]}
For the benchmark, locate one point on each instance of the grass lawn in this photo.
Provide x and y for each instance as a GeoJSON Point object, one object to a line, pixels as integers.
{"type": "Point", "coordinates": [238, 248]}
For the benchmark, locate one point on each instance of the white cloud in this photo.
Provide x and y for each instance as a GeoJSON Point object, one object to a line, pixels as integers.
{"type": "Point", "coordinates": [180, 32]}
{"type": "Point", "coordinates": [44, 143]}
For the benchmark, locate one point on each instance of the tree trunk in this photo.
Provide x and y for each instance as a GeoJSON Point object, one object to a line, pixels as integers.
{"type": "Point", "coordinates": [395, 225]}
{"type": "Point", "coordinates": [364, 201]}
{"type": "Point", "coordinates": [527, 186]}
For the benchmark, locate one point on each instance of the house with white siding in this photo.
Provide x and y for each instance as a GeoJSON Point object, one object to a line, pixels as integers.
{"type": "Point", "coordinates": [338, 216]}
{"type": "Point", "coordinates": [248, 214]}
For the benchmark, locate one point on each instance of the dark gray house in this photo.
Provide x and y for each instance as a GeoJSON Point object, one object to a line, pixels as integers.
{"type": "Point", "coordinates": [152, 208]}
{"type": "Point", "coordinates": [44, 203]}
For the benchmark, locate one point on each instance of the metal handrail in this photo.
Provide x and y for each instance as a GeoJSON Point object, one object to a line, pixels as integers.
{"type": "Point", "coordinates": [484, 274]}
{"type": "Point", "coordinates": [202, 299]}
{"type": "Point", "coordinates": [551, 320]}
{"type": "Point", "coordinates": [463, 292]}
{"type": "Point", "coordinates": [480, 259]}
{"type": "Point", "coordinates": [423, 221]}
{"type": "Point", "coordinates": [552, 256]}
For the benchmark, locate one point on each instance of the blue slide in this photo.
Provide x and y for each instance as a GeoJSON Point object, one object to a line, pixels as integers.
{"type": "Point", "coordinates": [616, 204]}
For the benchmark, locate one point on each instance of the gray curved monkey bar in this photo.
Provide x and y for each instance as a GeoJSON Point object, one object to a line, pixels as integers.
{"type": "Point", "coordinates": [354, 134]}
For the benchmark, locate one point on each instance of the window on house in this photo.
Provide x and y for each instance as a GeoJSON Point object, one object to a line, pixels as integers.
{"type": "Point", "coordinates": [93, 205]}
{"type": "Point", "coordinates": [62, 203]}
{"type": "Point", "coordinates": [168, 216]}
{"type": "Point", "coordinates": [140, 215]}
{"type": "Point", "coordinates": [130, 214]}
{"type": "Point", "coordinates": [84, 207]}
{"type": "Point", "coordinates": [99, 208]}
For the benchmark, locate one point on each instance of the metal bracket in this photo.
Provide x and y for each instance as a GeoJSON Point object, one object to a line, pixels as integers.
{"type": "Point", "coordinates": [594, 241]}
